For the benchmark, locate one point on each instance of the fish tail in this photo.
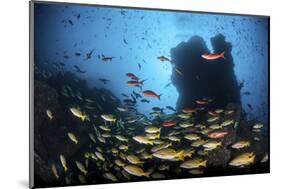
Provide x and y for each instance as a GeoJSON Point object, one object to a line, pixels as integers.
{"type": "Point", "coordinates": [151, 142]}
{"type": "Point", "coordinates": [65, 169]}
{"type": "Point", "coordinates": [203, 163]}
{"type": "Point", "coordinates": [158, 136]}
{"type": "Point", "coordinates": [141, 82]}
{"type": "Point", "coordinates": [158, 96]}
{"type": "Point", "coordinates": [180, 155]}
{"type": "Point", "coordinates": [222, 54]}
{"type": "Point", "coordinates": [83, 117]}
{"type": "Point", "coordinates": [252, 159]}
{"type": "Point", "coordinates": [146, 174]}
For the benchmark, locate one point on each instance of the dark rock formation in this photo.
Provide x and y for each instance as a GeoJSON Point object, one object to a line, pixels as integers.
{"type": "Point", "coordinates": [203, 78]}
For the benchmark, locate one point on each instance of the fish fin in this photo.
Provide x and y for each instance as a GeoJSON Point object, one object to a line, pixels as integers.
{"type": "Point", "coordinates": [180, 155]}
{"type": "Point", "coordinates": [252, 159]}
{"type": "Point", "coordinates": [83, 117]}
{"type": "Point", "coordinates": [141, 82]}
{"type": "Point", "coordinates": [151, 170]}
{"type": "Point", "coordinates": [146, 174]}
{"type": "Point", "coordinates": [222, 54]}
{"type": "Point", "coordinates": [151, 142]}
{"type": "Point", "coordinates": [159, 96]}
{"type": "Point", "coordinates": [158, 136]}
{"type": "Point", "coordinates": [204, 163]}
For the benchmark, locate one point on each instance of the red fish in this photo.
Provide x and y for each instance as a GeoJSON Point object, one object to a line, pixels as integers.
{"type": "Point", "coordinates": [188, 110]}
{"type": "Point", "coordinates": [169, 124]}
{"type": "Point", "coordinates": [132, 76]}
{"type": "Point", "coordinates": [135, 83]}
{"type": "Point", "coordinates": [213, 56]}
{"type": "Point", "coordinates": [201, 102]}
{"type": "Point", "coordinates": [151, 94]}
{"type": "Point", "coordinates": [212, 113]}
{"type": "Point", "coordinates": [217, 135]}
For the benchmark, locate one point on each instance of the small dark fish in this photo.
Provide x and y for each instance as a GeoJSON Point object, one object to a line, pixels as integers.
{"type": "Point", "coordinates": [163, 59]}
{"type": "Point", "coordinates": [77, 16]}
{"type": "Point", "coordinates": [89, 55]}
{"type": "Point", "coordinates": [250, 107]}
{"type": "Point", "coordinates": [124, 95]}
{"type": "Point", "coordinates": [107, 59]}
{"type": "Point", "coordinates": [77, 54]}
{"type": "Point", "coordinates": [78, 69]}
{"type": "Point", "coordinates": [124, 40]}
{"type": "Point", "coordinates": [134, 98]}
{"type": "Point", "coordinates": [145, 101]}
{"type": "Point", "coordinates": [137, 95]}
{"type": "Point", "coordinates": [65, 56]}
{"type": "Point", "coordinates": [241, 85]}
{"type": "Point", "coordinates": [123, 12]}
{"type": "Point", "coordinates": [247, 93]}
{"type": "Point", "coordinates": [70, 22]}
{"type": "Point", "coordinates": [178, 71]}
{"type": "Point", "coordinates": [139, 65]}
{"type": "Point", "coordinates": [104, 81]}
{"type": "Point", "coordinates": [168, 85]}
{"type": "Point", "coordinates": [157, 109]}
{"type": "Point", "coordinates": [171, 108]}
{"type": "Point", "coordinates": [130, 101]}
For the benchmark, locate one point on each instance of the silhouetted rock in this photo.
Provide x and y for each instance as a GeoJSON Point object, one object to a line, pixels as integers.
{"type": "Point", "coordinates": [204, 78]}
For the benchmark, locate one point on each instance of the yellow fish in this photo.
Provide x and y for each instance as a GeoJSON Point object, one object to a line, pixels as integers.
{"type": "Point", "coordinates": [108, 117]}
{"type": "Point", "coordinates": [193, 163]}
{"type": "Point", "coordinates": [136, 171]}
{"type": "Point", "coordinates": [143, 140]}
{"type": "Point", "coordinates": [72, 137]}
{"type": "Point", "coordinates": [152, 129]}
{"type": "Point", "coordinates": [134, 159]}
{"type": "Point", "coordinates": [55, 172]}
{"type": "Point", "coordinates": [110, 176]}
{"type": "Point", "coordinates": [49, 114]}
{"type": "Point", "coordinates": [243, 159]}
{"type": "Point", "coordinates": [77, 112]}
{"type": "Point", "coordinates": [153, 136]}
{"type": "Point", "coordinates": [169, 154]}
{"type": "Point", "coordinates": [119, 163]}
{"type": "Point", "coordinates": [241, 144]}
{"type": "Point", "coordinates": [63, 162]}
{"type": "Point", "coordinates": [81, 167]}
{"type": "Point", "coordinates": [212, 144]}
{"type": "Point", "coordinates": [192, 136]}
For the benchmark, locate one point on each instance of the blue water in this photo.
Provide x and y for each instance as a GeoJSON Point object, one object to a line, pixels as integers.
{"type": "Point", "coordinates": [149, 34]}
